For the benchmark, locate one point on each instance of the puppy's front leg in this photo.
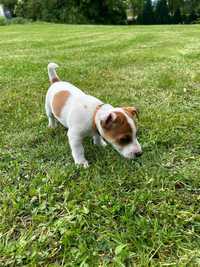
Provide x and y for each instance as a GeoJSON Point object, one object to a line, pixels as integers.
{"type": "Point", "coordinates": [98, 140]}
{"type": "Point", "coordinates": [75, 141]}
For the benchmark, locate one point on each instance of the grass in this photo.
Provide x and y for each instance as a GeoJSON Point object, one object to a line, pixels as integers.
{"type": "Point", "coordinates": [116, 212]}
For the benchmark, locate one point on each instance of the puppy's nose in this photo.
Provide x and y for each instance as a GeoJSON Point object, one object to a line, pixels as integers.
{"type": "Point", "coordinates": [139, 154]}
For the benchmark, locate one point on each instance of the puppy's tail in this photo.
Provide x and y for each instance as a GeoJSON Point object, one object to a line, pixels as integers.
{"type": "Point", "coordinates": [53, 77]}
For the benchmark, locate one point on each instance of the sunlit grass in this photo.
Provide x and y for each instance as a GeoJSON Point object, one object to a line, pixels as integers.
{"type": "Point", "coordinates": [117, 212]}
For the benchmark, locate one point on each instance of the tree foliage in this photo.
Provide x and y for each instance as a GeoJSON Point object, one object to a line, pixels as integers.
{"type": "Point", "coordinates": [74, 11]}
{"type": "Point", "coordinates": [10, 4]}
{"type": "Point", "coordinates": [106, 11]}
{"type": "Point", "coordinates": [146, 13]}
{"type": "Point", "coordinates": [177, 18]}
{"type": "Point", "coordinates": [162, 12]}
{"type": "Point", "coordinates": [166, 11]}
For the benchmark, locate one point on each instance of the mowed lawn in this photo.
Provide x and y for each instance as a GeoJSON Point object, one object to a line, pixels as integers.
{"type": "Point", "coordinates": [117, 212]}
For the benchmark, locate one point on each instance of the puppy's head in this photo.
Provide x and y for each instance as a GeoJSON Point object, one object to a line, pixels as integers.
{"type": "Point", "coordinates": [118, 128]}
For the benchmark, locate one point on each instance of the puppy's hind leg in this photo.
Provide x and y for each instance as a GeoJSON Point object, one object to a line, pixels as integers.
{"type": "Point", "coordinates": [52, 120]}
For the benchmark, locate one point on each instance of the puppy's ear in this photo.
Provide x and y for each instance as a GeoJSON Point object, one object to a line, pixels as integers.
{"type": "Point", "coordinates": [108, 120]}
{"type": "Point", "coordinates": [132, 111]}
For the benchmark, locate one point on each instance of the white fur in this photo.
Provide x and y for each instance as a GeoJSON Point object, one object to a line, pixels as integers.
{"type": "Point", "coordinates": [77, 115]}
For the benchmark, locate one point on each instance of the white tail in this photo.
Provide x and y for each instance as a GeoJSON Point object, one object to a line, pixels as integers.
{"type": "Point", "coordinates": [53, 77]}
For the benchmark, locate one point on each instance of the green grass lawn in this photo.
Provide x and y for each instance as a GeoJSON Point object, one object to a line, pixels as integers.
{"type": "Point", "coordinates": [116, 212]}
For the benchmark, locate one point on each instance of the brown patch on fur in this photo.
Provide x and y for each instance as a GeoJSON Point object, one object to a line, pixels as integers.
{"type": "Point", "coordinates": [131, 111]}
{"type": "Point", "coordinates": [55, 79]}
{"type": "Point", "coordinates": [119, 129]}
{"type": "Point", "coordinates": [59, 101]}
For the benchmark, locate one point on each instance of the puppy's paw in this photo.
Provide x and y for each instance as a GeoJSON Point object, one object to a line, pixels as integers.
{"type": "Point", "coordinates": [83, 164]}
{"type": "Point", "coordinates": [103, 143]}
{"type": "Point", "coordinates": [86, 165]}
{"type": "Point", "coordinates": [52, 125]}
{"type": "Point", "coordinates": [99, 141]}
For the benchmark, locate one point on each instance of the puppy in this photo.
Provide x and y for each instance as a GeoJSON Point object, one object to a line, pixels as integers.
{"type": "Point", "coordinates": [85, 115]}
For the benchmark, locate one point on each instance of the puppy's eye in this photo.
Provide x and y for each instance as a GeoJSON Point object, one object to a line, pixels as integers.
{"type": "Point", "coordinates": [125, 140]}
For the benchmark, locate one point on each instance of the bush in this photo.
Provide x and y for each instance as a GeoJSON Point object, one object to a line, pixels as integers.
{"type": "Point", "coordinates": [197, 21]}
{"type": "Point", "coordinates": [3, 21]}
{"type": "Point", "coordinates": [73, 16]}
{"type": "Point", "coordinates": [19, 20]}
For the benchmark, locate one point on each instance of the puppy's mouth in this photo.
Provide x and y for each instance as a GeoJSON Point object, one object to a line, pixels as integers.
{"type": "Point", "coordinates": [130, 155]}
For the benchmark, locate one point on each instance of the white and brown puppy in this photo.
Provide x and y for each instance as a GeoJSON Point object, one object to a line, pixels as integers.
{"type": "Point", "coordinates": [85, 115]}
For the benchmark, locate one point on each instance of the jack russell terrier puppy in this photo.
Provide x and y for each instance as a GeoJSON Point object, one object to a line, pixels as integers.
{"type": "Point", "coordinates": [86, 115]}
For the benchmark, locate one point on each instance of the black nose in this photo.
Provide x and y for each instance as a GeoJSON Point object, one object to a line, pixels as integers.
{"type": "Point", "coordinates": [139, 154]}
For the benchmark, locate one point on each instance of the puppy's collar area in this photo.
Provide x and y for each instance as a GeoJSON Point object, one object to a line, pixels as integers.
{"type": "Point", "coordinates": [94, 116]}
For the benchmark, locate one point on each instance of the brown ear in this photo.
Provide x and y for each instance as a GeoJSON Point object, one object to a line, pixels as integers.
{"type": "Point", "coordinates": [108, 121]}
{"type": "Point", "coordinates": [131, 111]}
